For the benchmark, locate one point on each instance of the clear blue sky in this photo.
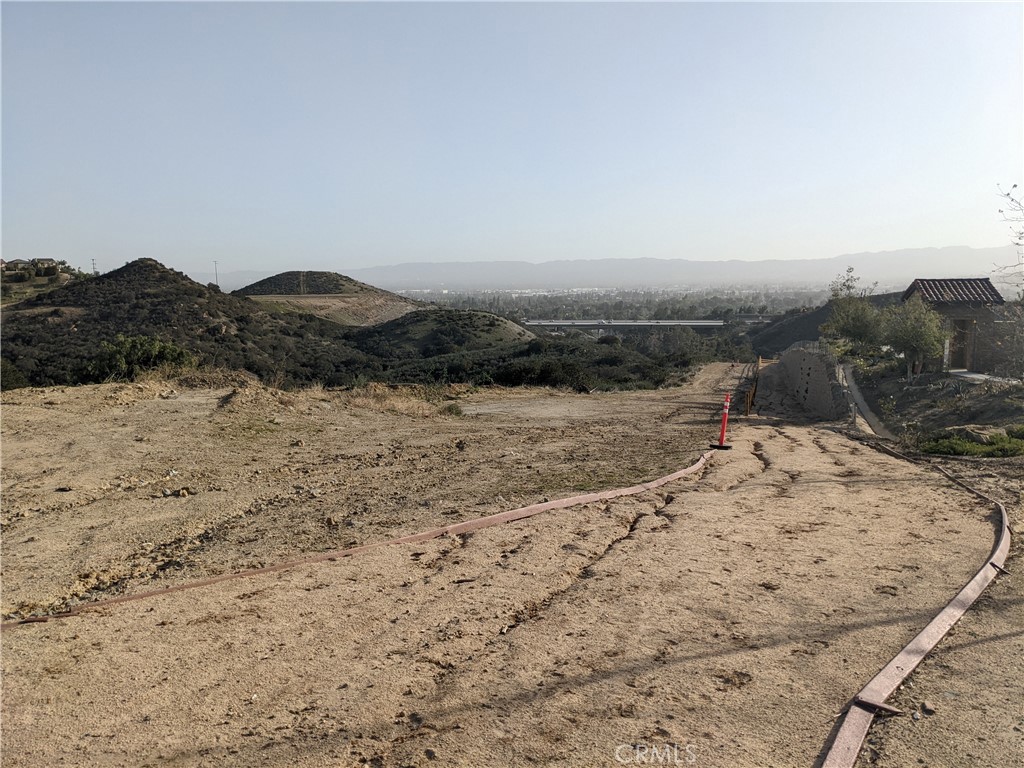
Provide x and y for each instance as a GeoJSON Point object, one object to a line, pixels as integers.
{"type": "Point", "coordinates": [337, 135]}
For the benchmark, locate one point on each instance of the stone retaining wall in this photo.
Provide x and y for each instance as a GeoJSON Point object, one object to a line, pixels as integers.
{"type": "Point", "coordinates": [811, 376]}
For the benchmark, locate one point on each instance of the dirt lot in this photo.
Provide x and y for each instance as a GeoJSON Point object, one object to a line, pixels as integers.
{"type": "Point", "coordinates": [726, 617]}
{"type": "Point", "coordinates": [968, 695]}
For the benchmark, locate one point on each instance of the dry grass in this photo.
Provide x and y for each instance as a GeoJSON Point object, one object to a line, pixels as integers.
{"type": "Point", "coordinates": [197, 377]}
{"type": "Point", "coordinates": [412, 400]}
{"type": "Point", "coordinates": [383, 399]}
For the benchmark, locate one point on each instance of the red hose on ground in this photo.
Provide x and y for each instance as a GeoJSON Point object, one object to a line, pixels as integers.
{"type": "Point", "coordinates": [450, 530]}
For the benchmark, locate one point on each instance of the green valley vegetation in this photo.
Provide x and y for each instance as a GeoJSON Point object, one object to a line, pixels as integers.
{"type": "Point", "coordinates": [694, 304]}
{"type": "Point", "coordinates": [431, 332]}
{"type": "Point", "coordinates": [128, 356]}
{"type": "Point", "coordinates": [11, 377]}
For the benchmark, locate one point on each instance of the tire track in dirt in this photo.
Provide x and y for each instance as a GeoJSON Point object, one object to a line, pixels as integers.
{"type": "Point", "coordinates": [454, 530]}
{"type": "Point", "coordinates": [294, 473]}
{"type": "Point", "coordinates": [723, 679]}
{"type": "Point", "coordinates": [633, 528]}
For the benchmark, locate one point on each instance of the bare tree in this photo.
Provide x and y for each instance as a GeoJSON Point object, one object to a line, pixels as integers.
{"type": "Point", "coordinates": [1009, 325]}
{"type": "Point", "coordinates": [847, 286]}
{"type": "Point", "coordinates": [1013, 213]}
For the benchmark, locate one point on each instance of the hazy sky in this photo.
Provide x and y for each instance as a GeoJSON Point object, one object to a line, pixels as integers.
{"type": "Point", "coordinates": [342, 135]}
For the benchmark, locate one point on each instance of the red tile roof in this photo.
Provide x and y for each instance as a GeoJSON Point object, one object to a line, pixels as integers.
{"type": "Point", "coordinates": [968, 290]}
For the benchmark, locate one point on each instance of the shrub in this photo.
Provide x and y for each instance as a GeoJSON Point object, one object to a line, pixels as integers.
{"type": "Point", "coordinates": [854, 318]}
{"type": "Point", "coordinates": [958, 446]}
{"type": "Point", "coordinates": [451, 409]}
{"type": "Point", "coordinates": [10, 376]}
{"type": "Point", "coordinates": [127, 356]}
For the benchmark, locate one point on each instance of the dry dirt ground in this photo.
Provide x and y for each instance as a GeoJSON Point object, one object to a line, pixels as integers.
{"type": "Point", "coordinates": [723, 620]}
{"type": "Point", "coordinates": [968, 695]}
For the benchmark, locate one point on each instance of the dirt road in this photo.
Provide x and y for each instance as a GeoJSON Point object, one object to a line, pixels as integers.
{"type": "Point", "coordinates": [726, 617]}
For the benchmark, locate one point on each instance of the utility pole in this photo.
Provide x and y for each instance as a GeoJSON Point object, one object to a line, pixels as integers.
{"type": "Point", "coordinates": [94, 270]}
{"type": "Point", "coordinates": [216, 275]}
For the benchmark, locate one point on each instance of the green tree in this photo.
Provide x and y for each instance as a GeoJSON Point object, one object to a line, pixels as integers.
{"type": "Point", "coordinates": [854, 318]}
{"type": "Point", "coordinates": [10, 376]}
{"type": "Point", "coordinates": [914, 330]}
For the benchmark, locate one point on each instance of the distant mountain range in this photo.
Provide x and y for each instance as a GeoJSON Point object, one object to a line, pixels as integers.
{"type": "Point", "coordinates": [891, 269]}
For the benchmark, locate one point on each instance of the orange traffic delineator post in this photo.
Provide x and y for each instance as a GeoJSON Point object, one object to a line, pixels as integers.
{"type": "Point", "coordinates": [725, 420]}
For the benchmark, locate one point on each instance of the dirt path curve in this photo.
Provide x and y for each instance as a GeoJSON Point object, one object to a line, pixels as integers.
{"type": "Point", "coordinates": [726, 617]}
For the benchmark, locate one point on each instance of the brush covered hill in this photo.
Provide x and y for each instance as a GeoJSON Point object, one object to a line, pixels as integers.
{"type": "Point", "coordinates": [328, 295]}
{"type": "Point", "coordinates": [144, 314]}
{"type": "Point", "coordinates": [437, 331]}
{"type": "Point", "coordinates": [77, 334]}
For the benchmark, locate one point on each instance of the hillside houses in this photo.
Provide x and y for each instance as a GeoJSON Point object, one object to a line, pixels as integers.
{"type": "Point", "coordinates": [22, 265]}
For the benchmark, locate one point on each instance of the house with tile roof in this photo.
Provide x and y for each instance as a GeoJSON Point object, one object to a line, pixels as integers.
{"type": "Point", "coordinates": [967, 308]}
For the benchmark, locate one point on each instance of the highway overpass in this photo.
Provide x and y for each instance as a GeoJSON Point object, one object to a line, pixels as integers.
{"type": "Point", "coordinates": [609, 325]}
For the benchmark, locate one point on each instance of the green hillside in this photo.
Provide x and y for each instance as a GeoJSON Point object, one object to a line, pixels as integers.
{"type": "Point", "coordinates": [302, 283]}
{"type": "Point", "coordinates": [62, 337]}
{"type": "Point", "coordinates": [328, 295]}
{"type": "Point", "coordinates": [143, 315]}
{"type": "Point", "coordinates": [430, 332]}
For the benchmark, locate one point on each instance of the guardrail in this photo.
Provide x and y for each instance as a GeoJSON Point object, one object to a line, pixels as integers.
{"type": "Point", "coordinates": [623, 323]}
